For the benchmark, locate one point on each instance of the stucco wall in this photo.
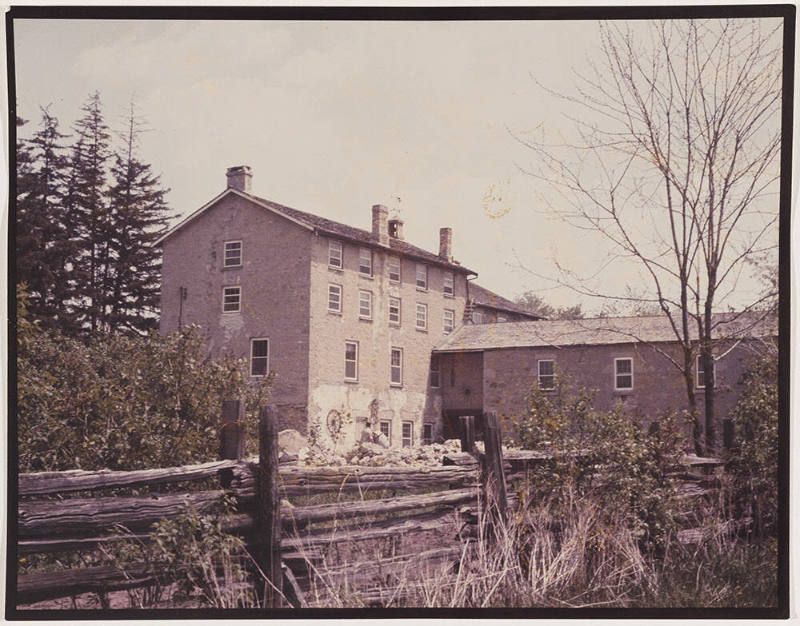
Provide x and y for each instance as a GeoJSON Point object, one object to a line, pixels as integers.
{"type": "Point", "coordinates": [274, 277]}
{"type": "Point", "coordinates": [414, 401]}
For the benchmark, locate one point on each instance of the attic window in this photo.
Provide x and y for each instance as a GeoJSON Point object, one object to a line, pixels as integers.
{"type": "Point", "coordinates": [365, 262]}
{"type": "Point", "coordinates": [233, 254]}
{"type": "Point", "coordinates": [335, 254]}
{"type": "Point", "coordinates": [422, 276]}
{"type": "Point", "coordinates": [394, 269]}
{"type": "Point", "coordinates": [448, 284]}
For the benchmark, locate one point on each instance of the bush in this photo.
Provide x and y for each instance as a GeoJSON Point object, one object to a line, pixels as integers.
{"type": "Point", "coordinates": [122, 402]}
{"type": "Point", "coordinates": [609, 454]}
{"type": "Point", "coordinates": [753, 459]}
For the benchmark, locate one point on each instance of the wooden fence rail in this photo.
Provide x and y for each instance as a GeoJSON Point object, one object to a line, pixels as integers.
{"type": "Point", "coordinates": [278, 536]}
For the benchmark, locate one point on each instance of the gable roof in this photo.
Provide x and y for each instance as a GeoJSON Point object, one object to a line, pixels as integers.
{"type": "Point", "coordinates": [483, 297]}
{"type": "Point", "coordinates": [595, 331]}
{"type": "Point", "coordinates": [324, 226]}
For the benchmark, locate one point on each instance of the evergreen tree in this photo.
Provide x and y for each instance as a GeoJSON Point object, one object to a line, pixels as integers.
{"type": "Point", "coordinates": [139, 211]}
{"type": "Point", "coordinates": [89, 212]}
{"type": "Point", "coordinates": [43, 243]}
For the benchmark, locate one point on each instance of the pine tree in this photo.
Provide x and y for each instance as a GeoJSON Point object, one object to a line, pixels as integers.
{"type": "Point", "coordinates": [139, 211]}
{"type": "Point", "coordinates": [88, 211]}
{"type": "Point", "coordinates": [43, 243]}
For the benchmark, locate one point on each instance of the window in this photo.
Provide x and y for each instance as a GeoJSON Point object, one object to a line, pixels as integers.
{"type": "Point", "coordinates": [259, 357]}
{"type": "Point", "coordinates": [365, 261]}
{"type": "Point", "coordinates": [394, 311]}
{"type": "Point", "coordinates": [701, 374]}
{"type": "Point", "coordinates": [547, 378]}
{"type": "Point", "coordinates": [231, 299]}
{"type": "Point", "coordinates": [386, 430]}
{"type": "Point", "coordinates": [408, 434]}
{"type": "Point", "coordinates": [449, 321]}
{"type": "Point", "coordinates": [350, 360]}
{"type": "Point", "coordinates": [334, 298]}
{"type": "Point", "coordinates": [427, 434]}
{"type": "Point", "coordinates": [397, 366]}
{"type": "Point", "coordinates": [365, 305]}
{"type": "Point", "coordinates": [422, 316]}
{"type": "Point", "coordinates": [394, 269]}
{"type": "Point", "coordinates": [623, 373]}
{"type": "Point", "coordinates": [233, 254]}
{"type": "Point", "coordinates": [477, 317]}
{"type": "Point", "coordinates": [335, 254]}
{"type": "Point", "coordinates": [435, 369]}
{"type": "Point", "coordinates": [422, 276]}
{"type": "Point", "coordinates": [448, 284]}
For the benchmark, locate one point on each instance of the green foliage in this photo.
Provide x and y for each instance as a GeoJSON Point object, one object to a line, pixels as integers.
{"type": "Point", "coordinates": [608, 454]}
{"type": "Point", "coordinates": [121, 402]}
{"type": "Point", "coordinates": [753, 459]}
{"type": "Point", "coordinates": [195, 553]}
{"type": "Point", "coordinates": [536, 304]}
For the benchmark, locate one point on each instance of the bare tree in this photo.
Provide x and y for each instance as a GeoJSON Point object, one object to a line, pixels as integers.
{"type": "Point", "coordinates": [675, 163]}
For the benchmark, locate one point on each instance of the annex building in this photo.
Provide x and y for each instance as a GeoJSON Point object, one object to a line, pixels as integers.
{"type": "Point", "coordinates": [365, 324]}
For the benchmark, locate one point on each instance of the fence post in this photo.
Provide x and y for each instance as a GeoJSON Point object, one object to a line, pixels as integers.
{"type": "Point", "coordinates": [467, 432]}
{"type": "Point", "coordinates": [268, 515]}
{"type": "Point", "coordinates": [231, 442]}
{"type": "Point", "coordinates": [495, 475]}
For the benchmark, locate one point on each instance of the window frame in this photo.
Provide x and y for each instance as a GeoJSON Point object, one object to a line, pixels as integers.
{"type": "Point", "coordinates": [452, 292]}
{"type": "Point", "coordinates": [225, 244]}
{"type": "Point", "coordinates": [452, 321]}
{"type": "Point", "coordinates": [477, 317]}
{"type": "Point", "coordinates": [389, 261]}
{"type": "Point", "coordinates": [361, 252]}
{"type": "Point", "coordinates": [424, 286]}
{"type": "Point", "coordinates": [238, 308]}
{"type": "Point", "coordinates": [617, 374]}
{"type": "Point", "coordinates": [435, 370]}
{"type": "Point", "coordinates": [253, 357]}
{"type": "Point", "coordinates": [399, 320]}
{"type": "Point", "coordinates": [332, 244]}
{"type": "Point", "coordinates": [388, 434]}
{"type": "Point", "coordinates": [416, 316]}
{"type": "Point", "coordinates": [392, 367]}
{"type": "Point", "coordinates": [697, 364]}
{"type": "Point", "coordinates": [540, 375]}
{"type": "Point", "coordinates": [341, 297]}
{"type": "Point", "coordinates": [403, 437]}
{"type": "Point", "coordinates": [361, 315]}
{"type": "Point", "coordinates": [427, 433]}
{"type": "Point", "coordinates": [353, 379]}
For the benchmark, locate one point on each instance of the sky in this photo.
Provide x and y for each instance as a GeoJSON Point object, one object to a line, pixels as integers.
{"type": "Point", "coordinates": [334, 117]}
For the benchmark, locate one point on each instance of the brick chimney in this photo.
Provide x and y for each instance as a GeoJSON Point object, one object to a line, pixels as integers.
{"type": "Point", "coordinates": [446, 244]}
{"type": "Point", "coordinates": [380, 226]}
{"type": "Point", "coordinates": [240, 178]}
{"type": "Point", "coordinates": [396, 229]}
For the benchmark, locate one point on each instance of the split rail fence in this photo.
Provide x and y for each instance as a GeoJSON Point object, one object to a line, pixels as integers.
{"type": "Point", "coordinates": [55, 515]}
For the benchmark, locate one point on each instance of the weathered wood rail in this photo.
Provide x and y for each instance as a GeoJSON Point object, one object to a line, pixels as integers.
{"type": "Point", "coordinates": [54, 517]}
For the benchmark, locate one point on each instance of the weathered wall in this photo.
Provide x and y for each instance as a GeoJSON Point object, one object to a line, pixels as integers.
{"type": "Point", "coordinates": [274, 277]}
{"type": "Point", "coordinates": [415, 400]}
{"type": "Point", "coordinates": [658, 386]}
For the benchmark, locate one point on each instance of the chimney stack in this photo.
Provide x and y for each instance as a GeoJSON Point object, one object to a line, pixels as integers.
{"type": "Point", "coordinates": [240, 178]}
{"type": "Point", "coordinates": [380, 226]}
{"type": "Point", "coordinates": [446, 244]}
{"type": "Point", "coordinates": [396, 229]}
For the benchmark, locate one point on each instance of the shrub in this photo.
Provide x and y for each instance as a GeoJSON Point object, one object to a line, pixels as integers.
{"type": "Point", "coordinates": [122, 402]}
{"type": "Point", "coordinates": [608, 453]}
{"type": "Point", "coordinates": [753, 459]}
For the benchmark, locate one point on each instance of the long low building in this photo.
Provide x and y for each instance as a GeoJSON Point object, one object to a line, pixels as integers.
{"type": "Point", "coordinates": [628, 361]}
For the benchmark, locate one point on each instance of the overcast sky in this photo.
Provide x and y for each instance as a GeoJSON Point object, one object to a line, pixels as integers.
{"type": "Point", "coordinates": [334, 117]}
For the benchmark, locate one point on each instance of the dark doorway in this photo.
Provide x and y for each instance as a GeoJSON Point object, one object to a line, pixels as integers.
{"type": "Point", "coordinates": [452, 428]}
